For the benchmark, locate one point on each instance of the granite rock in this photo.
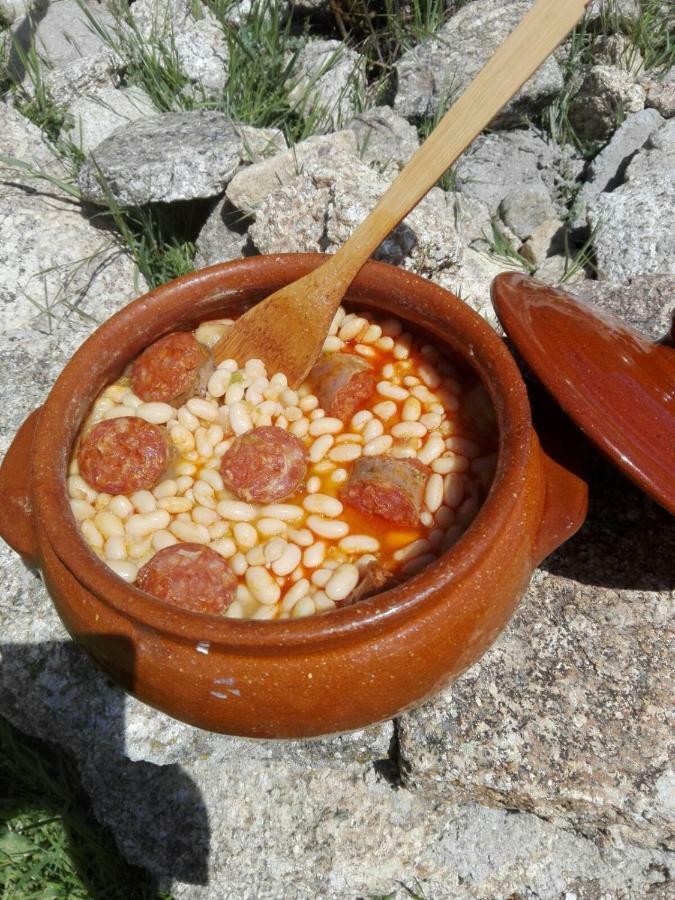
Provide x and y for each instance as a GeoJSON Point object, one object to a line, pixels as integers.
{"type": "Point", "coordinates": [618, 50]}
{"type": "Point", "coordinates": [661, 95]}
{"type": "Point", "coordinates": [606, 95]}
{"type": "Point", "coordinates": [644, 301]}
{"type": "Point", "coordinates": [96, 116]}
{"type": "Point", "coordinates": [608, 168]}
{"type": "Point", "coordinates": [634, 222]}
{"type": "Point", "coordinates": [526, 209]}
{"type": "Point", "coordinates": [249, 187]}
{"type": "Point", "coordinates": [611, 12]}
{"type": "Point", "coordinates": [385, 140]}
{"type": "Point", "coordinates": [328, 80]}
{"type": "Point", "coordinates": [569, 715]}
{"type": "Point", "coordinates": [55, 265]}
{"type": "Point", "coordinates": [222, 237]}
{"type": "Point", "coordinates": [545, 240]}
{"type": "Point", "coordinates": [437, 70]}
{"type": "Point", "coordinates": [172, 156]}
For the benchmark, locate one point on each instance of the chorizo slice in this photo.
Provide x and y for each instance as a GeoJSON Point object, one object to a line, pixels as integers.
{"type": "Point", "coordinates": [173, 369]}
{"type": "Point", "coordinates": [387, 487]}
{"type": "Point", "coordinates": [343, 384]}
{"type": "Point", "coordinates": [190, 576]}
{"type": "Point", "coordinates": [123, 455]}
{"type": "Point", "coordinates": [264, 465]}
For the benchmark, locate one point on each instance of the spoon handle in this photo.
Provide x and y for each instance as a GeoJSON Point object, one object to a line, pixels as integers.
{"type": "Point", "coordinates": [541, 30]}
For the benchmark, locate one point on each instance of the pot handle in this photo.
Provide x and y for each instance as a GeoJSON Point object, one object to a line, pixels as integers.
{"type": "Point", "coordinates": [16, 502]}
{"type": "Point", "coordinates": [565, 507]}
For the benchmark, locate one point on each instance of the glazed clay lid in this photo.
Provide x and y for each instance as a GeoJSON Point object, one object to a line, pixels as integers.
{"type": "Point", "coordinates": [618, 386]}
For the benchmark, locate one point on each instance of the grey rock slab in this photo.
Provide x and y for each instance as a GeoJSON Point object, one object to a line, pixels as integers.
{"type": "Point", "coordinates": [618, 50]}
{"type": "Point", "coordinates": [611, 12]}
{"type": "Point", "coordinates": [643, 301]}
{"type": "Point", "coordinates": [657, 157]}
{"type": "Point", "coordinates": [203, 54]}
{"type": "Point", "coordinates": [64, 34]}
{"type": "Point", "coordinates": [55, 265]}
{"type": "Point", "coordinates": [221, 238]}
{"type": "Point", "coordinates": [558, 271]}
{"type": "Point", "coordinates": [96, 116]}
{"type": "Point", "coordinates": [607, 170]}
{"type": "Point", "coordinates": [606, 95]}
{"type": "Point", "coordinates": [661, 94]}
{"type": "Point", "coordinates": [503, 163]}
{"type": "Point", "coordinates": [385, 140]}
{"type": "Point", "coordinates": [250, 186]}
{"type": "Point", "coordinates": [82, 77]}
{"type": "Point", "coordinates": [172, 156]}
{"type": "Point", "coordinates": [634, 228]}
{"type": "Point", "coordinates": [543, 242]}
{"type": "Point", "coordinates": [526, 209]}
{"type": "Point", "coordinates": [328, 79]}
{"type": "Point", "coordinates": [440, 68]}
{"type": "Point", "coordinates": [569, 715]}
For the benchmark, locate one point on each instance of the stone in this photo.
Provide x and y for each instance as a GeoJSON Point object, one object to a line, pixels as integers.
{"type": "Point", "coordinates": [260, 143]}
{"type": "Point", "coordinates": [385, 140]}
{"type": "Point", "coordinates": [526, 209]}
{"type": "Point", "coordinates": [10, 10]}
{"type": "Point", "coordinates": [64, 33]}
{"type": "Point", "coordinates": [81, 77]}
{"type": "Point", "coordinates": [617, 50]}
{"type": "Point", "coordinates": [328, 80]}
{"type": "Point", "coordinates": [57, 269]}
{"type": "Point", "coordinates": [560, 271]}
{"type": "Point", "coordinates": [96, 116]}
{"type": "Point", "coordinates": [432, 74]}
{"type": "Point", "coordinates": [544, 241]}
{"type": "Point", "coordinates": [471, 279]}
{"type": "Point", "coordinates": [661, 95]}
{"type": "Point", "coordinates": [608, 168]}
{"type": "Point", "coordinates": [634, 222]}
{"type": "Point", "coordinates": [610, 12]}
{"type": "Point", "coordinates": [644, 301]}
{"type": "Point", "coordinates": [606, 96]}
{"type": "Point", "coordinates": [250, 186]}
{"type": "Point", "coordinates": [568, 716]}
{"type": "Point", "coordinates": [221, 237]}
{"type": "Point", "coordinates": [504, 163]}
{"type": "Point", "coordinates": [172, 156]}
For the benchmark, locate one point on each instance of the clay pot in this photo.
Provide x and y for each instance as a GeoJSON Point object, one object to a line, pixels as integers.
{"type": "Point", "coordinates": [323, 674]}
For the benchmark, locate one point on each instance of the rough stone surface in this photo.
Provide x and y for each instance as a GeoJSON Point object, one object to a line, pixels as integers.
{"type": "Point", "coordinates": [543, 242]}
{"type": "Point", "coordinates": [569, 716]}
{"type": "Point", "coordinates": [644, 301]}
{"type": "Point", "coordinates": [55, 265]}
{"type": "Point", "coordinates": [249, 187]}
{"type": "Point", "coordinates": [329, 78]}
{"type": "Point", "coordinates": [606, 95]}
{"type": "Point", "coordinates": [437, 70]}
{"type": "Point", "coordinates": [95, 117]}
{"type": "Point", "coordinates": [661, 95]}
{"type": "Point", "coordinates": [173, 156]}
{"type": "Point", "coordinates": [219, 240]}
{"type": "Point", "coordinates": [83, 76]}
{"type": "Point", "coordinates": [63, 34]}
{"type": "Point", "coordinates": [526, 209]}
{"type": "Point", "coordinates": [634, 222]}
{"type": "Point", "coordinates": [618, 50]}
{"type": "Point", "coordinates": [385, 140]}
{"type": "Point", "coordinates": [203, 54]}
{"type": "Point", "coordinates": [608, 168]}
{"type": "Point", "coordinates": [612, 11]}
{"type": "Point", "coordinates": [506, 162]}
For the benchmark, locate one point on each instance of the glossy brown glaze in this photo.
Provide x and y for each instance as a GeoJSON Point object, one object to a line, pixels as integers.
{"type": "Point", "coordinates": [323, 674]}
{"type": "Point", "coordinates": [618, 386]}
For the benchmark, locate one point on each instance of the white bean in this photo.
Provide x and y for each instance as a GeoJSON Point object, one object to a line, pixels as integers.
{"type": "Point", "coordinates": [322, 603]}
{"type": "Point", "coordinates": [261, 584]}
{"type": "Point", "coordinates": [351, 327]}
{"type": "Point", "coordinates": [385, 410]}
{"type": "Point", "coordinates": [143, 501]}
{"type": "Point", "coordinates": [245, 535]}
{"type": "Point", "coordinates": [225, 546]}
{"type": "Point", "coordinates": [407, 430]}
{"type": "Point", "coordinates": [115, 548]}
{"type": "Point", "coordinates": [118, 412]}
{"type": "Point", "coordinates": [236, 510]}
{"type": "Point", "coordinates": [143, 524]}
{"type": "Point", "coordinates": [108, 524]}
{"type": "Point", "coordinates": [256, 556]}
{"type": "Point", "coordinates": [359, 543]}
{"type": "Point", "coordinates": [288, 560]}
{"type": "Point", "coordinates": [321, 577]}
{"type": "Point", "coordinates": [411, 550]}
{"type": "Point", "coordinates": [190, 532]}
{"type": "Point", "coordinates": [264, 612]}
{"type": "Point", "coordinates": [339, 476]}
{"type": "Point", "coordinates": [167, 488]}
{"type": "Point", "coordinates": [239, 564]}
{"type": "Point", "coordinates": [360, 419]}
{"type": "Point", "coordinates": [78, 489]}
{"type": "Point", "coordinates": [235, 393]}
{"type": "Point", "coordinates": [412, 410]}
{"type": "Point", "coordinates": [82, 510]}
{"type": "Point", "coordinates": [295, 593]}
{"type": "Point", "coordinates": [431, 450]}
{"type": "Point", "coordinates": [274, 549]}
{"type": "Point", "coordinates": [91, 534]}
{"type": "Point", "coordinates": [156, 413]}
{"type": "Point", "coordinates": [433, 492]}
{"type": "Point", "coordinates": [218, 383]}
{"type": "Point", "coordinates": [320, 447]}
{"type": "Point", "coordinates": [451, 463]}
{"type": "Point", "coordinates": [314, 555]}
{"type": "Point", "coordinates": [333, 529]}
{"type": "Point", "coordinates": [378, 445]}
{"type": "Point", "coordinates": [124, 569]}
{"type": "Point", "coordinates": [325, 425]}
{"type": "Point", "coordinates": [385, 343]}
{"type": "Point", "coordinates": [373, 429]}
{"type": "Point", "coordinates": [303, 537]}
{"type": "Point", "coordinates": [121, 507]}
{"type": "Point", "coordinates": [268, 527]}
{"type": "Point", "coordinates": [162, 539]}
{"type": "Point", "coordinates": [323, 504]}
{"type": "Point", "coordinates": [313, 484]}
{"type": "Point", "coordinates": [203, 515]}
{"type": "Point", "coordinates": [342, 582]}
{"type": "Point", "coordinates": [240, 420]}
{"type": "Point", "coordinates": [426, 518]}
{"type": "Point", "coordinates": [402, 346]}
{"type": "Point", "coordinates": [234, 610]}
{"type": "Point", "coordinates": [332, 344]}
{"type": "Point", "coordinates": [187, 420]}
{"type": "Point", "coordinates": [287, 512]}
{"type": "Point", "coordinates": [175, 505]}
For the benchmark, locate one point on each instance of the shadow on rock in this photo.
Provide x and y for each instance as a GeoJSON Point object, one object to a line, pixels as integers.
{"type": "Point", "coordinates": [41, 687]}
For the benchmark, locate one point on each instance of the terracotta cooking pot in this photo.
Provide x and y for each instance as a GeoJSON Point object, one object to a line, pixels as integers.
{"type": "Point", "coordinates": [323, 674]}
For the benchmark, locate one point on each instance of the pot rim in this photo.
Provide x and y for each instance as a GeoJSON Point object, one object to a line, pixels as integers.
{"type": "Point", "coordinates": [463, 329]}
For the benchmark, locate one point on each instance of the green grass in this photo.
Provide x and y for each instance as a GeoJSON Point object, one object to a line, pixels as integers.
{"type": "Point", "coordinates": [51, 846]}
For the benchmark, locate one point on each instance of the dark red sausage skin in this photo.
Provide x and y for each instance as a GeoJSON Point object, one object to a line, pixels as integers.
{"type": "Point", "coordinates": [191, 577]}
{"type": "Point", "coordinates": [264, 465]}
{"type": "Point", "coordinates": [343, 384]}
{"type": "Point", "coordinates": [173, 369]}
{"type": "Point", "coordinates": [387, 487]}
{"type": "Point", "coordinates": [123, 455]}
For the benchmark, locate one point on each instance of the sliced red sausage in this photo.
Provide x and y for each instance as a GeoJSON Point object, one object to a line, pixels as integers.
{"type": "Point", "coordinates": [264, 465]}
{"type": "Point", "coordinates": [388, 487]}
{"type": "Point", "coordinates": [122, 455]}
{"type": "Point", "coordinates": [343, 384]}
{"type": "Point", "coordinates": [173, 369]}
{"type": "Point", "coordinates": [190, 576]}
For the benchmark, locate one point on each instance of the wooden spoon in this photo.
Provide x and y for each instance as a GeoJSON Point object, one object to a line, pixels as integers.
{"type": "Point", "coordinates": [287, 329]}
